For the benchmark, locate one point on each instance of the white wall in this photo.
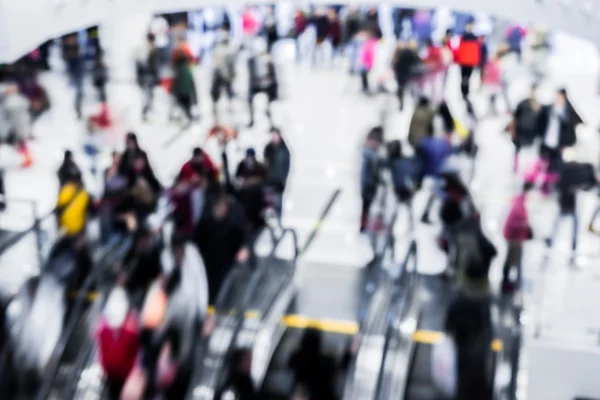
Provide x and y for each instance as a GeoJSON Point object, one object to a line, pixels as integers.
{"type": "Point", "coordinates": [30, 22]}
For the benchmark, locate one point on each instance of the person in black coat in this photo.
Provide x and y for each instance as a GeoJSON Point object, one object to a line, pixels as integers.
{"type": "Point", "coordinates": [221, 238]}
{"type": "Point", "coordinates": [469, 323]}
{"type": "Point", "coordinates": [68, 169]}
{"type": "Point", "coordinates": [524, 125]}
{"type": "Point", "coordinates": [132, 149]}
{"type": "Point", "coordinates": [556, 128]}
{"type": "Point", "coordinates": [278, 161]}
{"type": "Point", "coordinates": [405, 62]}
{"type": "Point", "coordinates": [142, 264]}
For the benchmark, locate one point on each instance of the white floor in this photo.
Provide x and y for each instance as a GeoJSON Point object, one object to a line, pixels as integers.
{"type": "Point", "coordinates": [324, 119]}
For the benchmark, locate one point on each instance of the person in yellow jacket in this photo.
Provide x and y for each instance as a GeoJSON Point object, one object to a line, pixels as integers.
{"type": "Point", "coordinates": [72, 207]}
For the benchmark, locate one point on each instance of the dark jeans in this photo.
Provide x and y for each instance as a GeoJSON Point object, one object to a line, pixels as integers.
{"type": "Point", "coordinates": [465, 74]}
{"type": "Point", "coordinates": [513, 259]}
{"type": "Point", "coordinates": [367, 199]}
{"type": "Point", "coordinates": [566, 214]}
{"type": "Point", "coordinates": [364, 80]}
{"type": "Point", "coordinates": [553, 156]}
{"type": "Point", "coordinates": [218, 84]}
{"type": "Point", "coordinates": [185, 102]}
{"type": "Point", "coordinates": [271, 92]}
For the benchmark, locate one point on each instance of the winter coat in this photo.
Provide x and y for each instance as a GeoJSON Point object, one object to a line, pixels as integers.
{"type": "Point", "coordinates": [405, 62]}
{"type": "Point", "coordinates": [183, 80]}
{"type": "Point", "coordinates": [469, 322]}
{"type": "Point", "coordinates": [369, 171]}
{"type": "Point", "coordinates": [277, 158]}
{"type": "Point", "coordinates": [433, 153]}
{"type": "Point", "coordinates": [526, 122]}
{"type": "Point", "coordinates": [118, 347]}
{"type": "Point", "coordinates": [516, 227]}
{"type": "Point", "coordinates": [218, 242]}
{"type": "Point", "coordinates": [570, 119]}
{"type": "Point", "coordinates": [421, 125]}
{"type": "Point", "coordinates": [188, 170]}
{"type": "Point", "coordinates": [367, 58]}
{"type": "Point", "coordinates": [469, 51]}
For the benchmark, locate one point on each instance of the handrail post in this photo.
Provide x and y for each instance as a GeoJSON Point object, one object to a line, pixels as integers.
{"type": "Point", "coordinates": [38, 234]}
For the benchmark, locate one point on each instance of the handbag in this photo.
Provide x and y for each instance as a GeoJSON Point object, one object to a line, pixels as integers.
{"type": "Point", "coordinates": [443, 366]}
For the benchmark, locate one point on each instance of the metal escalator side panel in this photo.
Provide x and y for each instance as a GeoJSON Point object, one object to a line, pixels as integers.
{"type": "Point", "coordinates": [400, 348]}
{"type": "Point", "coordinates": [103, 259]}
{"type": "Point", "coordinates": [270, 333]}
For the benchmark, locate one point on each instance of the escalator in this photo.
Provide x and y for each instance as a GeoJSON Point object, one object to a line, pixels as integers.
{"type": "Point", "coordinates": [76, 346]}
{"type": "Point", "coordinates": [329, 302]}
{"type": "Point", "coordinates": [337, 303]}
{"type": "Point", "coordinates": [417, 381]}
{"type": "Point", "coordinates": [262, 294]}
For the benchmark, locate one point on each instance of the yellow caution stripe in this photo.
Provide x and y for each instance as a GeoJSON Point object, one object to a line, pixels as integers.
{"type": "Point", "coordinates": [90, 296]}
{"type": "Point", "coordinates": [433, 337]}
{"type": "Point", "coordinates": [325, 325]}
{"type": "Point", "coordinates": [250, 314]}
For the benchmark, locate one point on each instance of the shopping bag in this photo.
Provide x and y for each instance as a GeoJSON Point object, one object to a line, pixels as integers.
{"type": "Point", "coordinates": [167, 368]}
{"type": "Point", "coordinates": [443, 366]}
{"type": "Point", "coordinates": [155, 307]}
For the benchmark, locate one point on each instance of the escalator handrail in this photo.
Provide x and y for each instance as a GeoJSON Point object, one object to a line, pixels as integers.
{"type": "Point", "coordinates": [71, 385]}
{"type": "Point", "coordinates": [236, 271]}
{"type": "Point", "coordinates": [7, 244]}
{"type": "Point", "coordinates": [265, 266]}
{"type": "Point", "coordinates": [388, 314]}
{"type": "Point", "coordinates": [76, 313]}
{"type": "Point", "coordinates": [294, 234]}
{"type": "Point", "coordinates": [240, 304]}
{"type": "Point", "coordinates": [257, 277]}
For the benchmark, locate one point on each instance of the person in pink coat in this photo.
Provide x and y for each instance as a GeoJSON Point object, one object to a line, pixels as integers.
{"type": "Point", "coordinates": [517, 230]}
{"type": "Point", "coordinates": [367, 60]}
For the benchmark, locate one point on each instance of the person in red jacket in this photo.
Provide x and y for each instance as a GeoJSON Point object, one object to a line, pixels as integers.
{"type": "Point", "coordinates": [118, 338]}
{"type": "Point", "coordinates": [435, 69]}
{"type": "Point", "coordinates": [199, 161]}
{"type": "Point", "coordinates": [468, 56]}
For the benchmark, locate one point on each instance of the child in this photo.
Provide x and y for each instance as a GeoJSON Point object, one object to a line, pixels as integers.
{"type": "Point", "coordinates": [516, 231]}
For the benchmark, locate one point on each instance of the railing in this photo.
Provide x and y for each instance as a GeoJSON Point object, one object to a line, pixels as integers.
{"type": "Point", "coordinates": [35, 228]}
{"type": "Point", "coordinates": [235, 304]}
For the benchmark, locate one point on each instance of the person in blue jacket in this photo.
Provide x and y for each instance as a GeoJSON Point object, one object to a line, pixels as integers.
{"type": "Point", "coordinates": [432, 153]}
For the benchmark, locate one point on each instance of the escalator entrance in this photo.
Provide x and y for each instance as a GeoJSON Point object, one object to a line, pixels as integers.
{"type": "Point", "coordinates": [323, 315]}
{"type": "Point", "coordinates": [430, 330]}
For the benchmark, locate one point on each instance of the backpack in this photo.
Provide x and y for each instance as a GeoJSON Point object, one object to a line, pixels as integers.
{"type": "Point", "coordinates": [472, 250]}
